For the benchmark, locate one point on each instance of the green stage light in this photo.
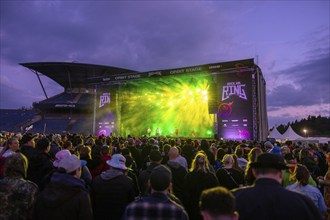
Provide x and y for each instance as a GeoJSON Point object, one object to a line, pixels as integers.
{"type": "Point", "coordinates": [183, 105]}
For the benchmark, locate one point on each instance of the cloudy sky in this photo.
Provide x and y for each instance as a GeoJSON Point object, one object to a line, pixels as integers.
{"type": "Point", "coordinates": [288, 39]}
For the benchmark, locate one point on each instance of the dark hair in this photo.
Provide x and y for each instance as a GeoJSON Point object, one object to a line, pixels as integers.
{"type": "Point", "coordinates": [301, 174]}
{"type": "Point", "coordinates": [204, 145]}
{"type": "Point", "coordinates": [106, 150]}
{"type": "Point", "coordinates": [217, 201]}
{"type": "Point", "coordinates": [42, 144]}
{"type": "Point", "coordinates": [220, 154]}
{"type": "Point", "coordinates": [67, 145]}
{"type": "Point", "coordinates": [239, 151]}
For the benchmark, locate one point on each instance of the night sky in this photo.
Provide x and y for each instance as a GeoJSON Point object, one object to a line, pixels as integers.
{"type": "Point", "coordinates": [288, 39]}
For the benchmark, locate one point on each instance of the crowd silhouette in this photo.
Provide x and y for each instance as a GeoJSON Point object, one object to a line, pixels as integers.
{"type": "Point", "coordinates": [73, 176]}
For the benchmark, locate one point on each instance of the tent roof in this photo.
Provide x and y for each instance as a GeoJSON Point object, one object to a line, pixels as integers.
{"type": "Point", "coordinates": [275, 134]}
{"type": "Point", "coordinates": [290, 134]}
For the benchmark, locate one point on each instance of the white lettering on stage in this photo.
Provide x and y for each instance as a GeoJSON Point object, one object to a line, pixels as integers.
{"type": "Point", "coordinates": [120, 77]}
{"type": "Point", "coordinates": [215, 67]}
{"type": "Point", "coordinates": [233, 88]}
{"type": "Point", "coordinates": [105, 98]}
{"type": "Point", "coordinates": [136, 76]}
{"type": "Point", "coordinates": [193, 69]}
{"type": "Point", "coordinates": [176, 71]}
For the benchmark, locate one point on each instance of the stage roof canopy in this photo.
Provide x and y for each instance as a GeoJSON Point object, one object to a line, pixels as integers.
{"type": "Point", "coordinates": [74, 75]}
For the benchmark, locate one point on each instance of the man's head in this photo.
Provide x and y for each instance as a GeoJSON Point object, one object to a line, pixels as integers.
{"type": "Point", "coordinates": [117, 161]}
{"type": "Point", "coordinates": [155, 156]}
{"type": "Point", "coordinates": [269, 165]}
{"type": "Point", "coordinates": [173, 153]}
{"type": "Point", "coordinates": [71, 165]}
{"type": "Point", "coordinates": [28, 140]}
{"type": "Point", "coordinates": [217, 203]}
{"type": "Point", "coordinates": [43, 145]}
{"type": "Point", "coordinates": [160, 178]}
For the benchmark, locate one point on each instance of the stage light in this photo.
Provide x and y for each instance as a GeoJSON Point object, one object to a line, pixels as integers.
{"type": "Point", "coordinates": [180, 103]}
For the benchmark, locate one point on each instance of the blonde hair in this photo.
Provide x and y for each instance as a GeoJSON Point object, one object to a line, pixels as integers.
{"type": "Point", "coordinates": [200, 163]}
{"type": "Point", "coordinates": [228, 158]}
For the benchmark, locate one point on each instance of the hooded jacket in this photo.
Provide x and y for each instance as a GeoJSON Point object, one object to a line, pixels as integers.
{"type": "Point", "coordinates": [65, 197]}
{"type": "Point", "coordinates": [111, 192]}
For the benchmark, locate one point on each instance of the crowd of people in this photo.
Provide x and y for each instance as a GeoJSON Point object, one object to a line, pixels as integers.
{"type": "Point", "coordinates": [72, 176]}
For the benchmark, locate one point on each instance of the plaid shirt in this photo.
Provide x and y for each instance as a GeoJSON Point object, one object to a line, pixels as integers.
{"type": "Point", "coordinates": [153, 207]}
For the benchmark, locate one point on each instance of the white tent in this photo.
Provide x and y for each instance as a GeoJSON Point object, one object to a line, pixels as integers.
{"type": "Point", "coordinates": [290, 134]}
{"type": "Point", "coordinates": [275, 134]}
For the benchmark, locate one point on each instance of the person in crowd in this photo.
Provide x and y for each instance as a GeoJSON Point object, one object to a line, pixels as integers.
{"type": "Point", "coordinates": [228, 176]}
{"type": "Point", "coordinates": [218, 203]}
{"type": "Point", "coordinates": [206, 148]}
{"type": "Point", "coordinates": [235, 165]}
{"type": "Point", "coordinates": [252, 157]}
{"type": "Point", "coordinates": [55, 145]}
{"type": "Point", "coordinates": [112, 190]}
{"type": "Point", "coordinates": [106, 152]}
{"type": "Point", "coordinates": [174, 155]}
{"type": "Point", "coordinates": [85, 173]}
{"type": "Point", "coordinates": [267, 199]}
{"type": "Point", "coordinates": [285, 150]}
{"type": "Point", "coordinates": [134, 152]}
{"type": "Point", "coordinates": [199, 178]}
{"type": "Point", "coordinates": [11, 147]}
{"type": "Point", "coordinates": [188, 151]}
{"type": "Point", "coordinates": [301, 175]}
{"type": "Point", "coordinates": [132, 171]}
{"type": "Point", "coordinates": [309, 159]}
{"type": "Point", "coordinates": [65, 197]}
{"type": "Point", "coordinates": [324, 181]}
{"type": "Point", "coordinates": [268, 146]}
{"type": "Point", "coordinates": [2, 141]}
{"type": "Point", "coordinates": [218, 158]}
{"type": "Point", "coordinates": [239, 152]}
{"type": "Point", "coordinates": [178, 173]}
{"type": "Point", "coordinates": [28, 145]}
{"type": "Point", "coordinates": [288, 174]}
{"type": "Point", "coordinates": [155, 158]}
{"type": "Point", "coordinates": [17, 195]}
{"type": "Point", "coordinates": [40, 164]}
{"type": "Point", "coordinates": [157, 205]}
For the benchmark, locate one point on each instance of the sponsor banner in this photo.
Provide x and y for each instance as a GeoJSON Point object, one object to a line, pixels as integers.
{"type": "Point", "coordinates": [105, 111]}
{"type": "Point", "coordinates": [235, 113]}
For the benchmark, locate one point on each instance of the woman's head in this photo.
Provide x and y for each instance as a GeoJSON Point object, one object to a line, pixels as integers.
{"type": "Point", "coordinates": [301, 174]}
{"type": "Point", "coordinates": [228, 159]}
{"type": "Point", "coordinates": [254, 153]}
{"type": "Point", "coordinates": [200, 162]}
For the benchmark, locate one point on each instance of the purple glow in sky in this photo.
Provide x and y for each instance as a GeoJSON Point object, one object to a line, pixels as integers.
{"type": "Point", "coordinates": [288, 39]}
